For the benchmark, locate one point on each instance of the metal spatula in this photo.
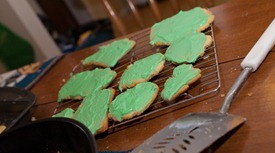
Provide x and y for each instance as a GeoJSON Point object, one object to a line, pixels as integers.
{"type": "Point", "coordinates": [197, 131]}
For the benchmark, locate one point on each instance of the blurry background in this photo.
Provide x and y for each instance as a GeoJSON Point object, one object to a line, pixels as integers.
{"type": "Point", "coordinates": [54, 27]}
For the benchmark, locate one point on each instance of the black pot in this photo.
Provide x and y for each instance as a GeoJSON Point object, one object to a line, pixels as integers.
{"type": "Point", "coordinates": [50, 135]}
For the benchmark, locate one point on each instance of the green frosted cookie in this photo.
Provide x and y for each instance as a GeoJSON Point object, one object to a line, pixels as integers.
{"type": "Point", "coordinates": [94, 109]}
{"type": "Point", "coordinates": [175, 27]}
{"type": "Point", "coordinates": [109, 55]}
{"type": "Point", "coordinates": [85, 83]}
{"type": "Point", "coordinates": [133, 101]}
{"type": "Point", "coordinates": [188, 48]}
{"type": "Point", "coordinates": [141, 71]}
{"type": "Point", "coordinates": [68, 112]}
{"type": "Point", "coordinates": [182, 77]}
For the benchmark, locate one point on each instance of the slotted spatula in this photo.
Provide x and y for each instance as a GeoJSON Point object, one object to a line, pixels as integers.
{"type": "Point", "coordinates": [196, 131]}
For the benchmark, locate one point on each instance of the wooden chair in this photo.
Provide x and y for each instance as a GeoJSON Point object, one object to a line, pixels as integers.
{"type": "Point", "coordinates": [153, 4]}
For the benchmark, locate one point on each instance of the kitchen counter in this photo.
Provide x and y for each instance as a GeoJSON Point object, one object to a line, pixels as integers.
{"type": "Point", "coordinates": [238, 25]}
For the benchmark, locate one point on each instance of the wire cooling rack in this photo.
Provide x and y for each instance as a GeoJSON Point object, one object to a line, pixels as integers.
{"type": "Point", "coordinates": [207, 84]}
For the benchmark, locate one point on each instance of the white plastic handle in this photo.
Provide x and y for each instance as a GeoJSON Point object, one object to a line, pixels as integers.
{"type": "Point", "coordinates": [259, 51]}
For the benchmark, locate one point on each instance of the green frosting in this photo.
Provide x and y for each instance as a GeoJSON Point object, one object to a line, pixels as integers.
{"type": "Point", "coordinates": [141, 70]}
{"type": "Point", "coordinates": [93, 110]}
{"type": "Point", "coordinates": [109, 55]}
{"type": "Point", "coordinates": [68, 112]}
{"type": "Point", "coordinates": [181, 76]}
{"type": "Point", "coordinates": [85, 83]}
{"type": "Point", "coordinates": [187, 49]}
{"type": "Point", "coordinates": [178, 25]}
{"type": "Point", "coordinates": [133, 100]}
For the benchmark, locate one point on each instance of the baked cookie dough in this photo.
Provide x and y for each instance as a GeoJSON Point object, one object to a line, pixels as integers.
{"type": "Point", "coordinates": [141, 71]}
{"type": "Point", "coordinates": [175, 27]}
{"type": "Point", "coordinates": [133, 101]}
{"type": "Point", "coordinates": [93, 111]}
{"type": "Point", "coordinates": [109, 55]}
{"type": "Point", "coordinates": [188, 48]}
{"type": "Point", "coordinates": [85, 83]}
{"type": "Point", "coordinates": [182, 77]}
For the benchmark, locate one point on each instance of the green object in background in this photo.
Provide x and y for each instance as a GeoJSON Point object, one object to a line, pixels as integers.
{"type": "Point", "coordinates": [15, 52]}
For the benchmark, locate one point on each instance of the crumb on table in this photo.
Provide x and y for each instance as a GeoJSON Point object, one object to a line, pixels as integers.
{"type": "Point", "coordinates": [2, 128]}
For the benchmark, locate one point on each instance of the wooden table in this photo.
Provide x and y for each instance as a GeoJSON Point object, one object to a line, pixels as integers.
{"type": "Point", "coordinates": [237, 26]}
